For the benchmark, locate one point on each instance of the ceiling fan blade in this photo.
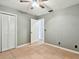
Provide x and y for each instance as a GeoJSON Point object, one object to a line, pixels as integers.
{"type": "Point", "coordinates": [44, 0]}
{"type": "Point", "coordinates": [50, 11]}
{"type": "Point", "coordinates": [42, 6]}
{"type": "Point", "coordinates": [24, 1]}
{"type": "Point", "coordinates": [41, 1]}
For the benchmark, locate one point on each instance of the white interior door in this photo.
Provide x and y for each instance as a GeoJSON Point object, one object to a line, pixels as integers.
{"type": "Point", "coordinates": [37, 30]}
{"type": "Point", "coordinates": [33, 30]}
{"type": "Point", "coordinates": [8, 32]}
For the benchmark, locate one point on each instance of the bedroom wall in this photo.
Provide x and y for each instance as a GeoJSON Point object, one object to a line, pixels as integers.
{"type": "Point", "coordinates": [62, 28]}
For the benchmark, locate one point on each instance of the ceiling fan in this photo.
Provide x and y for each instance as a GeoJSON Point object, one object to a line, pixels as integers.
{"type": "Point", "coordinates": [39, 3]}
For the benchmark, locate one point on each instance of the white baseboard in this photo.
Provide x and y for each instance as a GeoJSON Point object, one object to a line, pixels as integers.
{"type": "Point", "coordinates": [69, 50]}
{"type": "Point", "coordinates": [37, 42]}
{"type": "Point", "coordinates": [23, 45]}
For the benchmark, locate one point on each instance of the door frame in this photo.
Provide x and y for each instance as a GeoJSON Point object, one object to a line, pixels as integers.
{"type": "Point", "coordinates": [11, 14]}
{"type": "Point", "coordinates": [30, 30]}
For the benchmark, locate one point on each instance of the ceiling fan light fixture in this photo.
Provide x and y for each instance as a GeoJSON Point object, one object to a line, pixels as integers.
{"type": "Point", "coordinates": [34, 3]}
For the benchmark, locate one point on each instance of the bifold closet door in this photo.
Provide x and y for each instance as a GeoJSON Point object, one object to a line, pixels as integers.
{"type": "Point", "coordinates": [8, 32]}
{"type": "Point", "coordinates": [12, 32]}
{"type": "Point", "coordinates": [5, 29]}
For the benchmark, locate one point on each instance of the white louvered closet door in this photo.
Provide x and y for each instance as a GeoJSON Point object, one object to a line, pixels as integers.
{"type": "Point", "coordinates": [12, 32]}
{"type": "Point", "coordinates": [8, 32]}
{"type": "Point", "coordinates": [5, 29]}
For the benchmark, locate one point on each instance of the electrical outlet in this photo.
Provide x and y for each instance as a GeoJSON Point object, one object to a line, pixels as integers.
{"type": "Point", "coordinates": [76, 46]}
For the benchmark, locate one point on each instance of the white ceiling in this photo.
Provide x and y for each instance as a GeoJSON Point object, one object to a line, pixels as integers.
{"type": "Point", "coordinates": [53, 4]}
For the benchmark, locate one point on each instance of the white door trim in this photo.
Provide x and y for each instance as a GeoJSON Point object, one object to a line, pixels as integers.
{"type": "Point", "coordinates": [69, 50]}
{"type": "Point", "coordinates": [28, 44]}
{"type": "Point", "coordinates": [42, 36]}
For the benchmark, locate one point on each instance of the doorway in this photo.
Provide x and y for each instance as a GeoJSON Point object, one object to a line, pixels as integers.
{"type": "Point", "coordinates": [37, 30]}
